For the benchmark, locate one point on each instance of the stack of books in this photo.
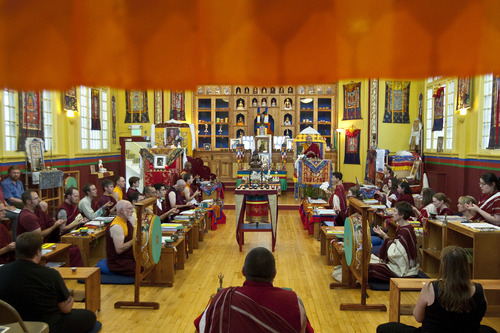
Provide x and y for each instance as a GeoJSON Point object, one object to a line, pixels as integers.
{"type": "Point", "coordinates": [171, 227]}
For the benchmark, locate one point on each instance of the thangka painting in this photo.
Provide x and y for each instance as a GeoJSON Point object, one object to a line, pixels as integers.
{"type": "Point", "coordinates": [32, 113]}
{"type": "Point", "coordinates": [352, 101]}
{"type": "Point", "coordinates": [70, 100]}
{"type": "Point", "coordinates": [495, 115]}
{"type": "Point", "coordinates": [397, 98]}
{"type": "Point", "coordinates": [438, 109]}
{"type": "Point", "coordinates": [352, 141]}
{"type": "Point", "coordinates": [30, 118]}
{"type": "Point", "coordinates": [177, 110]}
{"type": "Point", "coordinates": [96, 110]}
{"type": "Point", "coordinates": [136, 106]}
{"type": "Point", "coordinates": [463, 93]}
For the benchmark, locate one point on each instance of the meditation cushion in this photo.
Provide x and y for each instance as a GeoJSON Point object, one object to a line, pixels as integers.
{"type": "Point", "coordinates": [108, 277]}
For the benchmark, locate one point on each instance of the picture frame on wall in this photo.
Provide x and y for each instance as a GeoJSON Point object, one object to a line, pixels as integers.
{"type": "Point", "coordinates": [92, 168]}
{"type": "Point", "coordinates": [439, 147]}
{"type": "Point", "coordinates": [206, 147]}
{"type": "Point", "coordinates": [233, 143]}
{"type": "Point", "coordinates": [159, 161]}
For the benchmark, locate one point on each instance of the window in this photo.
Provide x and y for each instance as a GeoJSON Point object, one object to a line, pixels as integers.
{"type": "Point", "coordinates": [47, 119]}
{"type": "Point", "coordinates": [431, 137]}
{"type": "Point", "coordinates": [487, 106]}
{"type": "Point", "coordinates": [9, 118]}
{"type": "Point", "coordinates": [93, 139]}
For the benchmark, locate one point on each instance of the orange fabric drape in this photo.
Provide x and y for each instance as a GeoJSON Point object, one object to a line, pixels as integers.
{"type": "Point", "coordinates": [57, 44]}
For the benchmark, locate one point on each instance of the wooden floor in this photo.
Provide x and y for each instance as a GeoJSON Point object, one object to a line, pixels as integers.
{"type": "Point", "coordinates": [299, 266]}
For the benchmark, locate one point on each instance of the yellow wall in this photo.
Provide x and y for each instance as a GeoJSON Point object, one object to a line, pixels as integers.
{"type": "Point", "coordinates": [393, 137]}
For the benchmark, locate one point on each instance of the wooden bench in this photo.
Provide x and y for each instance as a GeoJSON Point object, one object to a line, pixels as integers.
{"type": "Point", "coordinates": [397, 285]}
{"type": "Point", "coordinates": [325, 239]}
{"type": "Point", "coordinates": [92, 278]}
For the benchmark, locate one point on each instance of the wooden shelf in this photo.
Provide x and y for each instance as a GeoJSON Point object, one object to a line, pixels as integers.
{"type": "Point", "coordinates": [434, 253]}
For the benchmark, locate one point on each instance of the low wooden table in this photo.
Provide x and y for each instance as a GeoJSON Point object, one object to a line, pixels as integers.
{"type": "Point", "coordinates": [325, 239]}
{"type": "Point", "coordinates": [60, 254]}
{"type": "Point", "coordinates": [397, 285]}
{"type": "Point", "coordinates": [163, 272]}
{"type": "Point", "coordinates": [92, 277]}
{"type": "Point", "coordinates": [92, 248]}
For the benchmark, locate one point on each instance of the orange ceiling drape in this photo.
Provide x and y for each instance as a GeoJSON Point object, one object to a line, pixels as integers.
{"type": "Point", "coordinates": [179, 44]}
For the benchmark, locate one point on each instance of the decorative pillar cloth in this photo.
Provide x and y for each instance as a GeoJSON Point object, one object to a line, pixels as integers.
{"type": "Point", "coordinates": [438, 109]}
{"type": "Point", "coordinates": [397, 98]}
{"type": "Point", "coordinates": [495, 115]}
{"type": "Point", "coordinates": [352, 138]}
{"type": "Point", "coordinates": [113, 119]}
{"type": "Point", "coordinates": [352, 101]}
{"type": "Point", "coordinates": [95, 110]}
{"type": "Point", "coordinates": [240, 198]}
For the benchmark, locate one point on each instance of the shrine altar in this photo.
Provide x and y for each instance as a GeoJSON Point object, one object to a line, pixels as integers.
{"type": "Point", "coordinates": [281, 174]}
{"type": "Point", "coordinates": [241, 196]}
{"type": "Point", "coordinates": [172, 158]}
{"type": "Point", "coordinates": [312, 173]}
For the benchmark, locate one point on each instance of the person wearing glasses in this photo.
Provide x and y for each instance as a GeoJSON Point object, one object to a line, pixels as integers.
{"type": "Point", "coordinates": [488, 207]}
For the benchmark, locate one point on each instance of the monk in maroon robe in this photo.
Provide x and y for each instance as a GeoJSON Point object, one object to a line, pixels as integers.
{"type": "Point", "coordinates": [311, 149]}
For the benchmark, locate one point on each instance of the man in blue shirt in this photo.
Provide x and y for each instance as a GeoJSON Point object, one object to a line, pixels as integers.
{"type": "Point", "coordinates": [13, 188]}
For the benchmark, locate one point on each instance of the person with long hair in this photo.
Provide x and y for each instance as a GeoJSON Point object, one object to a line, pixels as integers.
{"type": "Point", "coordinates": [388, 174]}
{"type": "Point", "coordinates": [355, 192]}
{"type": "Point", "coordinates": [441, 201]}
{"type": "Point", "coordinates": [404, 194]}
{"type": "Point", "coordinates": [397, 257]}
{"type": "Point", "coordinates": [428, 209]}
{"type": "Point", "coordinates": [466, 200]}
{"type": "Point", "coordinates": [488, 208]}
{"type": "Point", "coordinates": [391, 193]}
{"type": "Point", "coordinates": [451, 304]}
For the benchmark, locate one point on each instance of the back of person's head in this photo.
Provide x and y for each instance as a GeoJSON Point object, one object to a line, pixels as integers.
{"type": "Point", "coordinates": [427, 195]}
{"type": "Point", "coordinates": [491, 179]}
{"type": "Point", "coordinates": [454, 280]}
{"type": "Point", "coordinates": [466, 199]}
{"type": "Point", "coordinates": [133, 197]}
{"type": "Point", "coordinates": [187, 165]}
{"type": "Point", "coordinates": [106, 183]}
{"type": "Point", "coordinates": [260, 265]}
{"type": "Point", "coordinates": [121, 206]}
{"type": "Point", "coordinates": [118, 178]}
{"type": "Point", "coordinates": [356, 192]}
{"type": "Point", "coordinates": [158, 186]}
{"type": "Point", "coordinates": [86, 188]}
{"type": "Point", "coordinates": [69, 192]}
{"type": "Point", "coordinates": [338, 175]}
{"type": "Point", "coordinates": [27, 245]}
{"type": "Point", "coordinates": [406, 187]}
{"type": "Point", "coordinates": [186, 176]}
{"type": "Point", "coordinates": [180, 183]}
{"type": "Point", "coordinates": [404, 209]}
{"type": "Point", "coordinates": [27, 195]}
{"type": "Point", "coordinates": [442, 197]}
{"type": "Point", "coordinates": [133, 180]}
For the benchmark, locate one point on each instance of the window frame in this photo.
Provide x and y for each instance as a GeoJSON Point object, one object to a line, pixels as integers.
{"type": "Point", "coordinates": [95, 140]}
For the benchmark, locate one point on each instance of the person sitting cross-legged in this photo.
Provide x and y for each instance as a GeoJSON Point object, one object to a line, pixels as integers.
{"type": "Point", "coordinates": [258, 306]}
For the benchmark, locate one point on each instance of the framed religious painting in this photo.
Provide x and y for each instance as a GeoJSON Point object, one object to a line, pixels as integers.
{"type": "Point", "coordinates": [206, 147]}
{"type": "Point", "coordinates": [159, 161]}
{"type": "Point", "coordinates": [439, 147]}
{"type": "Point", "coordinates": [233, 143]}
